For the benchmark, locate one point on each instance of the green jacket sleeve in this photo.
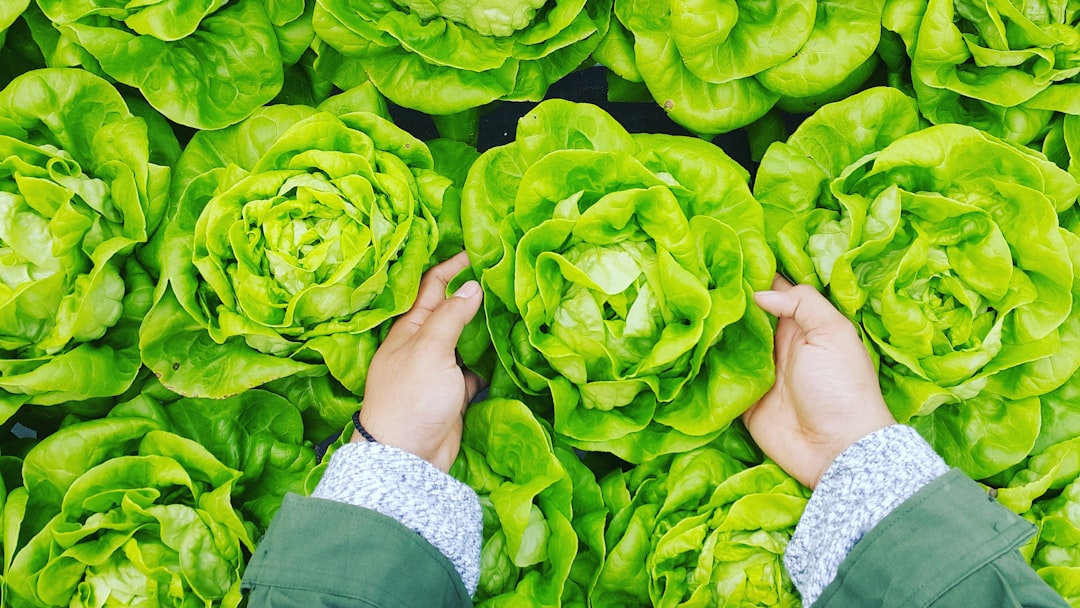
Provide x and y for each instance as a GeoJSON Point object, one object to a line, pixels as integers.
{"type": "Point", "coordinates": [320, 554]}
{"type": "Point", "coordinates": [950, 544]}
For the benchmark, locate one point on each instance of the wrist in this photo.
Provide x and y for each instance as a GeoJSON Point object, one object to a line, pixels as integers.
{"type": "Point", "coordinates": [841, 441]}
{"type": "Point", "coordinates": [439, 451]}
{"type": "Point", "coordinates": [861, 487]}
{"type": "Point", "coordinates": [360, 433]}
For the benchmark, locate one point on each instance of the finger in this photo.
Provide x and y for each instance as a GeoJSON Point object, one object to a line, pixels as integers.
{"type": "Point", "coordinates": [787, 336]}
{"type": "Point", "coordinates": [803, 303]}
{"type": "Point", "coordinates": [748, 417]}
{"type": "Point", "coordinates": [780, 283]}
{"type": "Point", "coordinates": [432, 293]}
{"type": "Point", "coordinates": [444, 325]}
{"type": "Point", "coordinates": [433, 287]}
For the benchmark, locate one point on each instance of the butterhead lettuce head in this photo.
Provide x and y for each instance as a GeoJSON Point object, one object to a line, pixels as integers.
{"type": "Point", "coordinates": [542, 507]}
{"type": "Point", "coordinates": [121, 513]}
{"type": "Point", "coordinates": [299, 232]}
{"type": "Point", "coordinates": [449, 56]}
{"type": "Point", "coordinates": [943, 245]}
{"type": "Point", "coordinates": [698, 529]}
{"type": "Point", "coordinates": [78, 193]}
{"type": "Point", "coordinates": [1004, 67]}
{"type": "Point", "coordinates": [717, 65]}
{"type": "Point", "coordinates": [618, 271]}
{"type": "Point", "coordinates": [202, 63]}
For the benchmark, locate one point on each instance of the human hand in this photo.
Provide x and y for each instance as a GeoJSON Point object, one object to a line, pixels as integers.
{"type": "Point", "coordinates": [416, 392]}
{"type": "Point", "coordinates": [826, 395]}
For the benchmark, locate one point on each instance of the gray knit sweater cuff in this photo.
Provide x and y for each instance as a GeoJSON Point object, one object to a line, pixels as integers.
{"type": "Point", "coordinates": [863, 485]}
{"type": "Point", "coordinates": [411, 490]}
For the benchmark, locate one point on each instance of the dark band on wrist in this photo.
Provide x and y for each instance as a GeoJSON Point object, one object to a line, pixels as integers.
{"type": "Point", "coordinates": [360, 428]}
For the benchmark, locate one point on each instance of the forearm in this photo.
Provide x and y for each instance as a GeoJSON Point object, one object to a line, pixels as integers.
{"type": "Point", "coordinates": [863, 485]}
{"type": "Point", "coordinates": [441, 509]}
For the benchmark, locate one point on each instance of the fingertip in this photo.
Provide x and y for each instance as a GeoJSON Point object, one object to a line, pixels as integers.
{"type": "Point", "coordinates": [772, 302]}
{"type": "Point", "coordinates": [446, 270]}
{"type": "Point", "coordinates": [450, 317]}
{"type": "Point", "coordinates": [469, 289]}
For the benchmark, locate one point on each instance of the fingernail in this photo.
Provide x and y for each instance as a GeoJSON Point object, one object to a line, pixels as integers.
{"type": "Point", "coordinates": [468, 290]}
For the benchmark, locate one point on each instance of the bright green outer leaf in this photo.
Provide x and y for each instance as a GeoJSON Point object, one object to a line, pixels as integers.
{"type": "Point", "coordinates": [258, 433]}
{"type": "Point", "coordinates": [717, 65]}
{"type": "Point", "coordinates": [1055, 550]}
{"type": "Point", "coordinates": [818, 67]}
{"type": "Point", "coordinates": [984, 435]}
{"type": "Point", "coordinates": [1072, 140]}
{"type": "Point", "coordinates": [78, 192]}
{"type": "Point", "coordinates": [618, 272]}
{"type": "Point", "coordinates": [1060, 415]}
{"type": "Point", "coordinates": [452, 159]}
{"type": "Point", "coordinates": [698, 529]}
{"type": "Point", "coordinates": [998, 66]}
{"type": "Point", "coordinates": [298, 234]}
{"type": "Point", "coordinates": [123, 513]}
{"type": "Point", "coordinates": [12, 509]}
{"type": "Point", "coordinates": [293, 25]}
{"type": "Point", "coordinates": [958, 271]}
{"type": "Point", "coordinates": [530, 500]}
{"type": "Point", "coordinates": [448, 57]}
{"type": "Point", "coordinates": [1062, 143]}
{"type": "Point", "coordinates": [1064, 579]}
{"type": "Point", "coordinates": [1052, 469]}
{"type": "Point", "coordinates": [205, 64]}
{"type": "Point", "coordinates": [616, 53]}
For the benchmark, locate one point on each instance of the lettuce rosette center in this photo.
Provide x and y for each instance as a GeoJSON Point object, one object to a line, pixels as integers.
{"type": "Point", "coordinates": [290, 250]}
{"type": "Point", "coordinates": [619, 279]}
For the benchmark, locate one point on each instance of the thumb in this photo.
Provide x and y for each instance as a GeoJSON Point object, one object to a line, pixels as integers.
{"type": "Point", "coordinates": [804, 304]}
{"type": "Point", "coordinates": [444, 326]}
